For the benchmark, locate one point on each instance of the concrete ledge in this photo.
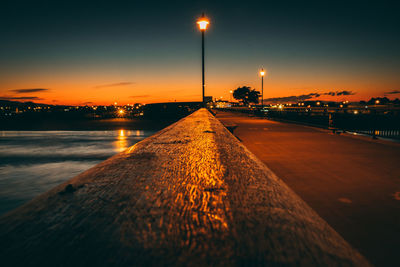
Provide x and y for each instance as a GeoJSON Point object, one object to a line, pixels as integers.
{"type": "Point", "coordinates": [189, 195]}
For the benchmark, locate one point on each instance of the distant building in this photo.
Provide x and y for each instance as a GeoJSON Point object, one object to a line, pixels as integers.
{"type": "Point", "coordinates": [222, 104]}
{"type": "Point", "coordinates": [170, 109]}
{"type": "Point", "coordinates": [208, 99]}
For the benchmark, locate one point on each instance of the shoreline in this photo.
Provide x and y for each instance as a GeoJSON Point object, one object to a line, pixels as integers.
{"type": "Point", "coordinates": [84, 124]}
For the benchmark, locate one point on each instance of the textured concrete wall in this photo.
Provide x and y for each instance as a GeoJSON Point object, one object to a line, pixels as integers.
{"type": "Point", "coordinates": [189, 195]}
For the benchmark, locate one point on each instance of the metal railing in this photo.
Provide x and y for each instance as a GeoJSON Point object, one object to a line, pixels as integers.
{"type": "Point", "coordinates": [376, 121]}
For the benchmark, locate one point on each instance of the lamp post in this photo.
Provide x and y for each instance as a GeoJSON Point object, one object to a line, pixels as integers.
{"type": "Point", "coordinates": [262, 73]}
{"type": "Point", "coordinates": [203, 23]}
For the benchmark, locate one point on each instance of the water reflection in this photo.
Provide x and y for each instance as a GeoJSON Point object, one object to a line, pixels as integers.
{"type": "Point", "coordinates": [32, 162]}
{"type": "Point", "coordinates": [121, 143]}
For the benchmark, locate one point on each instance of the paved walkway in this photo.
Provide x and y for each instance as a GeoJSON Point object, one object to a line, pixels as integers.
{"type": "Point", "coordinates": [351, 182]}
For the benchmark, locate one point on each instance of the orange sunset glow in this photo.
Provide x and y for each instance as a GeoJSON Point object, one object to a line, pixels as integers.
{"type": "Point", "coordinates": [129, 63]}
{"type": "Point", "coordinates": [183, 85]}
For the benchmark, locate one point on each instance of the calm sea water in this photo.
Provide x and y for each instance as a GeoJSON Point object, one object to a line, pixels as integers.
{"type": "Point", "coordinates": [32, 162]}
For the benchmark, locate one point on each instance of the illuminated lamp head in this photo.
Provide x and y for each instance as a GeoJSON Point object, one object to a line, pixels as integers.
{"type": "Point", "coordinates": [203, 23]}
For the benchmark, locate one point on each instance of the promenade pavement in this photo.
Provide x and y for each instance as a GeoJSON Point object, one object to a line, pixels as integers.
{"type": "Point", "coordinates": [351, 182]}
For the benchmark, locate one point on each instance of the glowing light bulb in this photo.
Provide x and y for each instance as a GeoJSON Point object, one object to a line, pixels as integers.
{"type": "Point", "coordinates": [203, 23]}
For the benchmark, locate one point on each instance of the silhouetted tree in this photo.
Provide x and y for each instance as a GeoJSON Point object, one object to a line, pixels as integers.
{"type": "Point", "coordinates": [241, 93]}
{"type": "Point", "coordinates": [254, 96]}
{"type": "Point", "coordinates": [246, 95]}
{"type": "Point", "coordinates": [382, 100]}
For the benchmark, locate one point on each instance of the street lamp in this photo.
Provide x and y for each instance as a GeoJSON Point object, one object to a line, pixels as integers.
{"type": "Point", "coordinates": [262, 73]}
{"type": "Point", "coordinates": [203, 24]}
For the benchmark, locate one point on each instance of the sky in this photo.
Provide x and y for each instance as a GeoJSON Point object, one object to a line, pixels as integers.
{"type": "Point", "coordinates": [101, 52]}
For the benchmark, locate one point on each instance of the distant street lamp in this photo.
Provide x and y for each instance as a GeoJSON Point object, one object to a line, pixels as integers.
{"type": "Point", "coordinates": [230, 95]}
{"type": "Point", "coordinates": [262, 73]}
{"type": "Point", "coordinates": [203, 24]}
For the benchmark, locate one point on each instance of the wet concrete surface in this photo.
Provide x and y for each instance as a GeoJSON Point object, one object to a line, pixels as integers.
{"type": "Point", "coordinates": [352, 183]}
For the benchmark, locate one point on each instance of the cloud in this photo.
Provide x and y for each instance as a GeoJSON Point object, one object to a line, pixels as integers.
{"type": "Point", "coordinates": [87, 103]}
{"type": "Point", "coordinates": [345, 93]}
{"type": "Point", "coordinates": [298, 98]}
{"type": "Point", "coordinates": [392, 92]}
{"type": "Point", "coordinates": [113, 85]}
{"type": "Point", "coordinates": [20, 98]}
{"type": "Point", "coordinates": [337, 93]}
{"type": "Point", "coordinates": [30, 90]}
{"type": "Point", "coordinates": [139, 96]}
{"type": "Point", "coordinates": [293, 98]}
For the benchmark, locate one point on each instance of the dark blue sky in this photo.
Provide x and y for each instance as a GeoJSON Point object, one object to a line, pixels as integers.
{"type": "Point", "coordinates": [305, 46]}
